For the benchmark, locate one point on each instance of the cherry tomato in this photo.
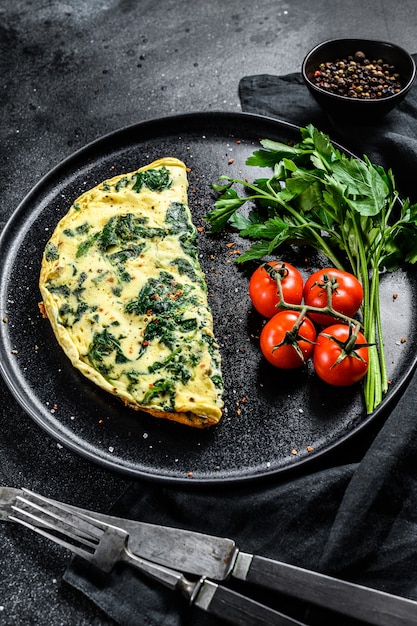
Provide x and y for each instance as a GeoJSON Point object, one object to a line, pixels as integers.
{"type": "Point", "coordinates": [347, 294]}
{"type": "Point", "coordinates": [283, 346]}
{"type": "Point", "coordinates": [351, 368]}
{"type": "Point", "coordinates": [263, 288]}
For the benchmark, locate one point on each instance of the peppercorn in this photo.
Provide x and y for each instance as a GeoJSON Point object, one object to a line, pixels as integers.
{"type": "Point", "coordinates": [358, 77]}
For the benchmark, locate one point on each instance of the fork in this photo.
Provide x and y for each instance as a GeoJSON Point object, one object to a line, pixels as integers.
{"type": "Point", "coordinates": [104, 545]}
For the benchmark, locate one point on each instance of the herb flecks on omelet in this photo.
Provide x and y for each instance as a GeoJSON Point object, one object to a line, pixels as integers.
{"type": "Point", "coordinates": [127, 299]}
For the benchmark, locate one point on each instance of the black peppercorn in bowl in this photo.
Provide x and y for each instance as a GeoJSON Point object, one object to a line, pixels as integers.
{"type": "Point", "coordinates": [358, 79]}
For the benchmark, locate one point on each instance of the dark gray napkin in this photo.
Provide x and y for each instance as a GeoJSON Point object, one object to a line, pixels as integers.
{"type": "Point", "coordinates": [355, 515]}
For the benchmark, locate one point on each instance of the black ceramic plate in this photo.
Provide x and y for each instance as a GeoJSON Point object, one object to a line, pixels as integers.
{"type": "Point", "coordinates": [274, 421]}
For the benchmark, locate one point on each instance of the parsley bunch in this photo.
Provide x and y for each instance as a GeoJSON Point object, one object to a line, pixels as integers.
{"type": "Point", "coordinates": [345, 208]}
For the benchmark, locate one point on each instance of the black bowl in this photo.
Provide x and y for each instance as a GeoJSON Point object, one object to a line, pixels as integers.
{"type": "Point", "coordinates": [353, 109]}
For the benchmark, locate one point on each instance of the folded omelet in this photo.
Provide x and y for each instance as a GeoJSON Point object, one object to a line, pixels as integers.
{"type": "Point", "coordinates": [127, 299]}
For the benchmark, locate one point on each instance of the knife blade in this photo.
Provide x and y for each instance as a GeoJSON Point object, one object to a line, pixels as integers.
{"type": "Point", "coordinates": [218, 558]}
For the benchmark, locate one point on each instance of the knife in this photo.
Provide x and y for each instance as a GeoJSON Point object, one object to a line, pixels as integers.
{"type": "Point", "coordinates": [219, 558]}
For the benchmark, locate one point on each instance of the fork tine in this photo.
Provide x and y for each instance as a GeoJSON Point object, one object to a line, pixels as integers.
{"type": "Point", "coordinates": [90, 524]}
{"type": "Point", "coordinates": [98, 542]}
{"type": "Point", "coordinates": [63, 526]}
{"type": "Point", "coordinates": [41, 531]}
{"type": "Point", "coordinates": [84, 525]}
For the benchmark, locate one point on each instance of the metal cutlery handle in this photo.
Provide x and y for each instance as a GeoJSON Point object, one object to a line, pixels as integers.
{"type": "Point", "coordinates": [234, 608]}
{"type": "Point", "coordinates": [221, 602]}
{"type": "Point", "coordinates": [364, 603]}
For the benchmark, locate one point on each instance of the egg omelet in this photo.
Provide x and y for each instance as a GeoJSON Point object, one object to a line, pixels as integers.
{"type": "Point", "coordinates": [126, 296]}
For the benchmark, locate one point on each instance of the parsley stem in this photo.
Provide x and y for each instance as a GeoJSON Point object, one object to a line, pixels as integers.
{"type": "Point", "coordinates": [314, 229]}
{"type": "Point", "coordinates": [371, 322]}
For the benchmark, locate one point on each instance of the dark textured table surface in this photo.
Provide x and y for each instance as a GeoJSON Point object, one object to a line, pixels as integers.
{"type": "Point", "coordinates": [71, 72]}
